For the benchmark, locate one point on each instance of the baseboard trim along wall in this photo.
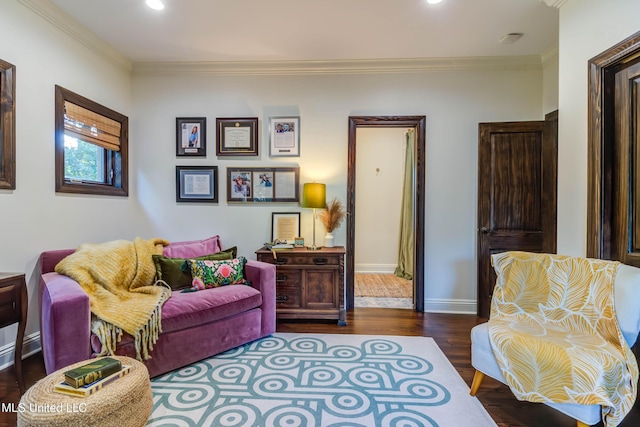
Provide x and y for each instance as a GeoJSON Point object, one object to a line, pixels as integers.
{"type": "Point", "coordinates": [30, 345]}
{"type": "Point", "coordinates": [451, 306]}
{"type": "Point", "coordinates": [375, 268]}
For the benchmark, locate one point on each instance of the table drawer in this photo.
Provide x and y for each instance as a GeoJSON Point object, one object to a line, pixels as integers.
{"type": "Point", "coordinates": [287, 296]}
{"type": "Point", "coordinates": [288, 277]}
{"type": "Point", "coordinates": [299, 260]}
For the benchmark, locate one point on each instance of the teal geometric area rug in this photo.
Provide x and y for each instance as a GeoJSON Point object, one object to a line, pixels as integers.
{"type": "Point", "coordinates": [309, 380]}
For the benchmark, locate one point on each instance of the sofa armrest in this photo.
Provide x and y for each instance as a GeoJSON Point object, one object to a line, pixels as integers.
{"type": "Point", "coordinates": [262, 276]}
{"type": "Point", "coordinates": [65, 321]}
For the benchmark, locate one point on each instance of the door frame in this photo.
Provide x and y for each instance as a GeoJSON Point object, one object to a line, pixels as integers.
{"type": "Point", "coordinates": [418, 123]}
{"type": "Point", "coordinates": [601, 143]}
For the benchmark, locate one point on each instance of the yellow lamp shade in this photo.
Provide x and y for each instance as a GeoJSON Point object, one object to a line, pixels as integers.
{"type": "Point", "coordinates": [314, 195]}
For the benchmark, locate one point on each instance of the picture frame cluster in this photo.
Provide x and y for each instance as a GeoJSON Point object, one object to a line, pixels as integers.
{"type": "Point", "coordinates": [238, 137]}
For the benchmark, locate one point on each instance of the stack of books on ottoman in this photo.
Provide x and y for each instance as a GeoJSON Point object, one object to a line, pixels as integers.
{"type": "Point", "coordinates": [91, 377]}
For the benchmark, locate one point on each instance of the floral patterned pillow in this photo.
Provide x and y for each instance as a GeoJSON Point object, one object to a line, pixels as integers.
{"type": "Point", "coordinates": [214, 273]}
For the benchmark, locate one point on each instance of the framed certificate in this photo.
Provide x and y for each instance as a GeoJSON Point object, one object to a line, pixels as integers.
{"type": "Point", "coordinates": [284, 137]}
{"type": "Point", "coordinates": [237, 136]}
{"type": "Point", "coordinates": [197, 184]}
{"type": "Point", "coordinates": [285, 226]}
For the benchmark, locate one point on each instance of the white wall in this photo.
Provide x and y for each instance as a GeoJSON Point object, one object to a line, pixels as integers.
{"type": "Point", "coordinates": [587, 28]}
{"type": "Point", "coordinates": [380, 157]}
{"type": "Point", "coordinates": [454, 102]}
{"type": "Point", "coordinates": [33, 218]}
{"type": "Point", "coordinates": [550, 63]}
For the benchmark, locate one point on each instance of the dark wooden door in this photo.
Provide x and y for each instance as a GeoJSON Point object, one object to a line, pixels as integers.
{"type": "Point", "coordinates": [517, 174]}
{"type": "Point", "coordinates": [625, 194]}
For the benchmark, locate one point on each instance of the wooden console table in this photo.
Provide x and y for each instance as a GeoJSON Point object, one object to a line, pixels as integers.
{"type": "Point", "coordinates": [13, 309]}
{"type": "Point", "coordinates": [309, 283]}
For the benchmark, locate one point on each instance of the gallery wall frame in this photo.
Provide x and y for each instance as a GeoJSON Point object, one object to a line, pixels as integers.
{"type": "Point", "coordinates": [263, 185]}
{"type": "Point", "coordinates": [197, 184]}
{"type": "Point", "coordinates": [237, 136]}
{"type": "Point", "coordinates": [191, 136]}
{"type": "Point", "coordinates": [284, 136]}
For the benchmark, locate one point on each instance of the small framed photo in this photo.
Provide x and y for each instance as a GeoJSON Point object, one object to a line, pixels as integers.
{"type": "Point", "coordinates": [285, 227]}
{"type": "Point", "coordinates": [284, 136]}
{"type": "Point", "coordinates": [237, 136]}
{"type": "Point", "coordinates": [191, 136]}
{"type": "Point", "coordinates": [197, 184]}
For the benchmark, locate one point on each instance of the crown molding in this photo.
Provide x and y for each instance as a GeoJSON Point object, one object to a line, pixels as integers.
{"type": "Point", "coordinates": [364, 66]}
{"type": "Point", "coordinates": [554, 3]}
{"type": "Point", "coordinates": [74, 29]}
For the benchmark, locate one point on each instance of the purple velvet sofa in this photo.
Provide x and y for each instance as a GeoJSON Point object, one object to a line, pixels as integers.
{"type": "Point", "coordinates": [195, 325]}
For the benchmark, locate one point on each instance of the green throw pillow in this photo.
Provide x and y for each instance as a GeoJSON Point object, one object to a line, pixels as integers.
{"type": "Point", "coordinates": [212, 274]}
{"type": "Point", "coordinates": [175, 272]}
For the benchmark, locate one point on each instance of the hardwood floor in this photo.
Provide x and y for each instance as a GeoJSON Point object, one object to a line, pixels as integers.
{"type": "Point", "coordinates": [450, 331]}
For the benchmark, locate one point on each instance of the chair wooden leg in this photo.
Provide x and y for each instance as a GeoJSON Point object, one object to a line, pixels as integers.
{"type": "Point", "coordinates": [581, 424]}
{"type": "Point", "coordinates": [475, 384]}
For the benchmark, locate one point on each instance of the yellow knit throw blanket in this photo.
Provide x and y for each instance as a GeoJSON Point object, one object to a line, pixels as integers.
{"type": "Point", "coordinates": [118, 278]}
{"type": "Point", "coordinates": [537, 301]}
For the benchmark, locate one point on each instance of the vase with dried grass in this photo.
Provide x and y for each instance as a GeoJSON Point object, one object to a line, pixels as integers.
{"type": "Point", "coordinates": [331, 217]}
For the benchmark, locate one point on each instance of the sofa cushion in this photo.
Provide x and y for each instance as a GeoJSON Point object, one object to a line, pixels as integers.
{"type": "Point", "coordinates": [185, 310]}
{"type": "Point", "coordinates": [176, 273]}
{"type": "Point", "coordinates": [212, 274]}
{"type": "Point", "coordinates": [193, 248]}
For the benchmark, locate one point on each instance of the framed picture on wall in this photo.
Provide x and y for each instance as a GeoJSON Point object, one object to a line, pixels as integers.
{"type": "Point", "coordinates": [197, 184]}
{"type": "Point", "coordinates": [284, 136]}
{"type": "Point", "coordinates": [191, 136]}
{"type": "Point", "coordinates": [237, 137]}
{"type": "Point", "coordinates": [263, 185]}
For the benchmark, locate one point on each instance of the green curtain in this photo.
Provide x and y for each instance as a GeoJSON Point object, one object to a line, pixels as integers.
{"type": "Point", "coordinates": [405, 252]}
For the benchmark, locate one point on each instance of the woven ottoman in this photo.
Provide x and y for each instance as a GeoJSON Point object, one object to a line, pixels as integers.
{"type": "Point", "coordinates": [121, 403]}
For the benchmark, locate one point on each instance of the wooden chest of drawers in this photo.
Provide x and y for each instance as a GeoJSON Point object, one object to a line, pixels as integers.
{"type": "Point", "coordinates": [309, 284]}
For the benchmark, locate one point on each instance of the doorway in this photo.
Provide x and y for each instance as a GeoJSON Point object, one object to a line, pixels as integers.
{"type": "Point", "coordinates": [384, 217]}
{"type": "Point", "coordinates": [613, 199]}
{"type": "Point", "coordinates": [418, 124]}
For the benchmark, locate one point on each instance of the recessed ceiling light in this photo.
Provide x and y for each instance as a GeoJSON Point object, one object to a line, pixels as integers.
{"type": "Point", "coordinates": [155, 4]}
{"type": "Point", "coordinates": [433, 1]}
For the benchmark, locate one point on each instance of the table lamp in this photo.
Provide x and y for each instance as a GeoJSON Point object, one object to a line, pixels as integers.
{"type": "Point", "coordinates": [314, 196]}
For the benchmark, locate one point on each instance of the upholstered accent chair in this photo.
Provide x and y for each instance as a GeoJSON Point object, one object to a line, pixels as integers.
{"type": "Point", "coordinates": [488, 341]}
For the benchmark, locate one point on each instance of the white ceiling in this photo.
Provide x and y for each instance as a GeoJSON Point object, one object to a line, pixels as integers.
{"type": "Point", "coordinates": [302, 30]}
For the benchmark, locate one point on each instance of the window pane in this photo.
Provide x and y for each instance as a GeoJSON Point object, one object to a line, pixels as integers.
{"type": "Point", "coordinates": [83, 160]}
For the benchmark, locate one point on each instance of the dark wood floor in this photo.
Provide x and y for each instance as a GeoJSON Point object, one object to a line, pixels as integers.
{"type": "Point", "coordinates": [450, 331]}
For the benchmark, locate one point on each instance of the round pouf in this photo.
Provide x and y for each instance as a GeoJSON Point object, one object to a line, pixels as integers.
{"type": "Point", "coordinates": [126, 401]}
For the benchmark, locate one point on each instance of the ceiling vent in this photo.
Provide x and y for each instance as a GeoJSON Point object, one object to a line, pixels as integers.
{"type": "Point", "coordinates": [510, 38]}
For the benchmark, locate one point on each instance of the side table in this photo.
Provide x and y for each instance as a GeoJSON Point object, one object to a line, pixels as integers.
{"type": "Point", "coordinates": [309, 283]}
{"type": "Point", "coordinates": [13, 309]}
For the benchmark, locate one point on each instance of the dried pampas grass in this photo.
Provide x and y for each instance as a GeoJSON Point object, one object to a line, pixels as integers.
{"type": "Point", "coordinates": [333, 215]}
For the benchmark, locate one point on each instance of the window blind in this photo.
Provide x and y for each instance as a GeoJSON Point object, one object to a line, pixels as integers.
{"type": "Point", "coordinates": [91, 127]}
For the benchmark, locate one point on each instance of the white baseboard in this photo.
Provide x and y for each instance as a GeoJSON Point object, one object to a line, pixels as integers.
{"type": "Point", "coordinates": [30, 345]}
{"type": "Point", "coordinates": [375, 268]}
{"type": "Point", "coordinates": [451, 306]}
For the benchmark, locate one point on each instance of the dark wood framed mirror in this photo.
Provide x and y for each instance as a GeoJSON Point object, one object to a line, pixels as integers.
{"type": "Point", "coordinates": [7, 126]}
